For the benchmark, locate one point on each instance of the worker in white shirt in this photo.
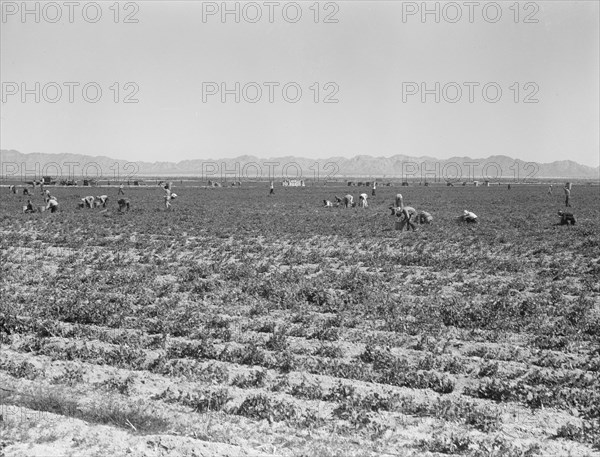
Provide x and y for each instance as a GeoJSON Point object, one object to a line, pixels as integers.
{"type": "Point", "coordinates": [469, 217]}
{"type": "Point", "coordinates": [52, 205]}
{"type": "Point", "coordinates": [362, 200]}
{"type": "Point", "coordinates": [348, 201]}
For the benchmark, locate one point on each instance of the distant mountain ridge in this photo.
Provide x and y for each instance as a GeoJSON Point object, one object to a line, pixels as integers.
{"type": "Point", "coordinates": [14, 163]}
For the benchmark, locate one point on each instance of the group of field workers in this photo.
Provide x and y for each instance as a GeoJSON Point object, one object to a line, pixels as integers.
{"type": "Point", "coordinates": [409, 216]}
{"type": "Point", "coordinates": [50, 202]}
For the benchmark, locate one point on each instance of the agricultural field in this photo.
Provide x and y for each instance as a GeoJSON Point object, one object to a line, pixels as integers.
{"type": "Point", "coordinates": [240, 324]}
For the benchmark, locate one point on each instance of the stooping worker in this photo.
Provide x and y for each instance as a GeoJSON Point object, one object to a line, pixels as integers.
{"type": "Point", "coordinates": [25, 191]}
{"type": "Point", "coordinates": [87, 201]}
{"type": "Point", "coordinates": [362, 200]}
{"type": "Point", "coordinates": [423, 217]}
{"type": "Point", "coordinates": [566, 218]}
{"type": "Point", "coordinates": [406, 215]}
{"type": "Point", "coordinates": [123, 204]}
{"type": "Point", "coordinates": [348, 201]}
{"type": "Point", "coordinates": [102, 199]}
{"type": "Point", "coordinates": [52, 205]}
{"type": "Point", "coordinates": [469, 217]}
{"type": "Point", "coordinates": [327, 204]}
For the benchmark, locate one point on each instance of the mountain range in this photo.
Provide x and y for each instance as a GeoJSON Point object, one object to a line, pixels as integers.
{"type": "Point", "coordinates": [16, 164]}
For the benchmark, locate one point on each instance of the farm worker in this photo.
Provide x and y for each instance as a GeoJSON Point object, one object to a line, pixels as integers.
{"type": "Point", "coordinates": [399, 206]}
{"type": "Point", "coordinates": [374, 188]}
{"type": "Point", "coordinates": [11, 188]}
{"type": "Point", "coordinates": [170, 196]}
{"type": "Point", "coordinates": [566, 218]}
{"type": "Point", "coordinates": [25, 191]}
{"type": "Point", "coordinates": [399, 201]}
{"type": "Point", "coordinates": [398, 211]}
{"type": "Point", "coordinates": [327, 204]}
{"type": "Point", "coordinates": [52, 205]}
{"type": "Point", "coordinates": [41, 187]}
{"type": "Point", "coordinates": [272, 191]}
{"type": "Point", "coordinates": [29, 208]}
{"type": "Point", "coordinates": [567, 196]}
{"type": "Point", "coordinates": [363, 200]}
{"type": "Point", "coordinates": [348, 201]}
{"type": "Point", "coordinates": [469, 217]}
{"type": "Point", "coordinates": [406, 214]}
{"type": "Point", "coordinates": [550, 190]}
{"type": "Point", "coordinates": [121, 189]}
{"type": "Point", "coordinates": [509, 187]}
{"type": "Point", "coordinates": [123, 203]}
{"type": "Point", "coordinates": [423, 217]}
{"type": "Point", "coordinates": [46, 195]}
{"type": "Point", "coordinates": [88, 201]}
{"type": "Point", "coordinates": [102, 200]}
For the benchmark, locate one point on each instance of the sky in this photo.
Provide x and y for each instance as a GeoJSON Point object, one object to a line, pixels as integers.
{"type": "Point", "coordinates": [368, 74]}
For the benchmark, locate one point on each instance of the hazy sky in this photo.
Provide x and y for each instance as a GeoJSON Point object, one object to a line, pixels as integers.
{"type": "Point", "coordinates": [374, 57]}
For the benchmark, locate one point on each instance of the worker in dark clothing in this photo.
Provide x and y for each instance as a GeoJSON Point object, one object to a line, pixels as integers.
{"type": "Point", "coordinates": [123, 204]}
{"type": "Point", "coordinates": [29, 208]}
{"type": "Point", "coordinates": [566, 218]}
{"type": "Point", "coordinates": [567, 196]}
